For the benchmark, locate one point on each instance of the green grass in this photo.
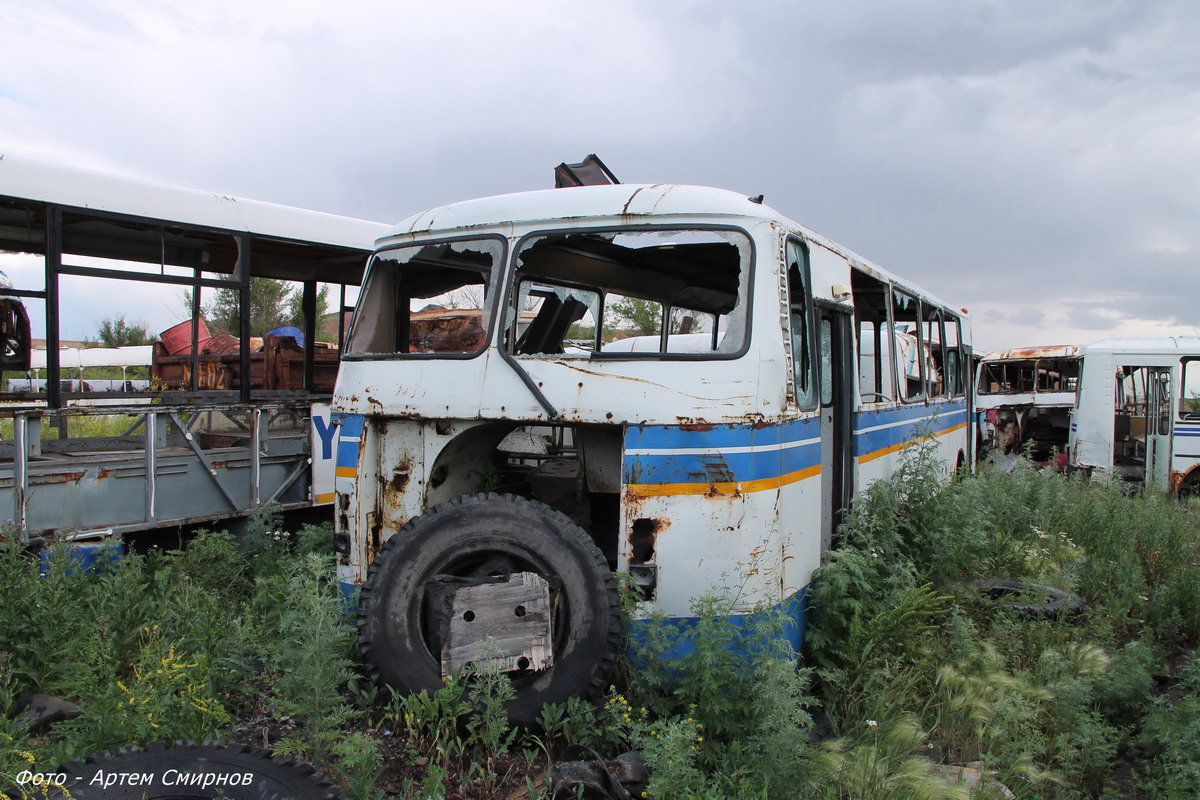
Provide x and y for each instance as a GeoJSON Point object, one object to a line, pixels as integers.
{"type": "Point", "coordinates": [907, 669]}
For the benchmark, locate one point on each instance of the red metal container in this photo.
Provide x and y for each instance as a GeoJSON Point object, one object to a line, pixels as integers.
{"type": "Point", "coordinates": [178, 338]}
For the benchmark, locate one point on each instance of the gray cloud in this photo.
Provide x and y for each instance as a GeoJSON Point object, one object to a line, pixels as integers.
{"type": "Point", "coordinates": [992, 151]}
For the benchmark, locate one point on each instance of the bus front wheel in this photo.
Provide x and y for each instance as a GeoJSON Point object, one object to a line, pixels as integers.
{"type": "Point", "coordinates": [416, 625]}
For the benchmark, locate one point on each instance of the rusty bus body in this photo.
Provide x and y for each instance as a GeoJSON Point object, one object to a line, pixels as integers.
{"type": "Point", "coordinates": [774, 373]}
{"type": "Point", "coordinates": [1025, 396]}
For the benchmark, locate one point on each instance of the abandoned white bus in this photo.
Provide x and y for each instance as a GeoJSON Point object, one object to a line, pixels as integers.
{"type": "Point", "coordinates": [1137, 416]}
{"type": "Point", "coordinates": [495, 467]}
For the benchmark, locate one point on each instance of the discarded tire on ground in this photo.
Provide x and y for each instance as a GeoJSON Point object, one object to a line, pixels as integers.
{"type": "Point", "coordinates": [183, 771]}
{"type": "Point", "coordinates": [411, 614]}
{"type": "Point", "coordinates": [1029, 600]}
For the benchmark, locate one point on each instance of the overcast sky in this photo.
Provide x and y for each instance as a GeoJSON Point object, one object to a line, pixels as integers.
{"type": "Point", "coordinates": [1037, 163]}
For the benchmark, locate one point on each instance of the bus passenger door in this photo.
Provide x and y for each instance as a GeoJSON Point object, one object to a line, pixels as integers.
{"type": "Point", "coordinates": [838, 373]}
{"type": "Point", "coordinates": [1159, 415]}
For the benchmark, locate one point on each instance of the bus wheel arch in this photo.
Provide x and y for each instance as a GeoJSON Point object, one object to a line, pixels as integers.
{"type": "Point", "coordinates": [486, 538]}
{"type": "Point", "coordinates": [457, 469]}
{"type": "Point", "coordinates": [1186, 484]}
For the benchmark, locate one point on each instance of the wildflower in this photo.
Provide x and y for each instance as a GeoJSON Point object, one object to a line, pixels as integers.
{"type": "Point", "coordinates": [872, 723]}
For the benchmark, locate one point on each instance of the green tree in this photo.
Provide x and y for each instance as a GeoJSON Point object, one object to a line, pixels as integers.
{"type": "Point", "coordinates": [273, 304]}
{"type": "Point", "coordinates": [120, 332]}
{"type": "Point", "coordinates": [295, 309]}
{"type": "Point", "coordinates": [644, 316]}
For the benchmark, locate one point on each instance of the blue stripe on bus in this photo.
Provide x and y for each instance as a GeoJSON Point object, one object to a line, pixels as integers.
{"type": "Point", "coordinates": [350, 425]}
{"type": "Point", "coordinates": [677, 437]}
{"type": "Point", "coordinates": [905, 424]}
{"type": "Point", "coordinates": [347, 454]}
{"type": "Point", "coordinates": [882, 416]}
{"type": "Point", "coordinates": [675, 467]}
{"type": "Point", "coordinates": [680, 640]}
{"type": "Point", "coordinates": [720, 467]}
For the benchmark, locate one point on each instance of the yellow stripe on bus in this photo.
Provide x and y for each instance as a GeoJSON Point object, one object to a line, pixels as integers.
{"type": "Point", "coordinates": [895, 448]}
{"type": "Point", "coordinates": [726, 487]}
{"type": "Point", "coordinates": [326, 497]}
{"type": "Point", "coordinates": [346, 472]}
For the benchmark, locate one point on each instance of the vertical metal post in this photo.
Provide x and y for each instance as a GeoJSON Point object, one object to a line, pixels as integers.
{"type": "Point", "coordinates": [151, 463]}
{"type": "Point", "coordinates": [309, 303]}
{"type": "Point", "coordinates": [194, 378]}
{"type": "Point", "coordinates": [54, 247]}
{"type": "Point", "coordinates": [20, 472]}
{"type": "Point", "coordinates": [242, 272]}
{"type": "Point", "coordinates": [342, 318]}
{"type": "Point", "coordinates": [256, 440]}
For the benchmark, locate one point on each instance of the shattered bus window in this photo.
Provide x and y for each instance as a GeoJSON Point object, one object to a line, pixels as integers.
{"type": "Point", "coordinates": [646, 292]}
{"type": "Point", "coordinates": [911, 368]}
{"type": "Point", "coordinates": [432, 298]}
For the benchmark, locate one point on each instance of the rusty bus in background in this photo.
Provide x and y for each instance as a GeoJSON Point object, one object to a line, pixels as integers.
{"type": "Point", "coordinates": [1024, 397]}
{"type": "Point", "coordinates": [676, 382]}
{"type": "Point", "coordinates": [213, 430]}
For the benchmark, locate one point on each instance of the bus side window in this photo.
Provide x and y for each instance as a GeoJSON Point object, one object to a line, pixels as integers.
{"type": "Point", "coordinates": [952, 361]}
{"type": "Point", "coordinates": [911, 350]}
{"type": "Point", "coordinates": [935, 363]}
{"type": "Point", "coordinates": [800, 324]}
{"type": "Point", "coordinates": [875, 338]}
{"type": "Point", "coordinates": [1189, 390]}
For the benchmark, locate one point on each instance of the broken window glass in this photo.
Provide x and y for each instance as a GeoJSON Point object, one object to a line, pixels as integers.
{"type": "Point", "coordinates": [935, 366]}
{"type": "Point", "coordinates": [645, 291]}
{"type": "Point", "coordinates": [910, 348]}
{"type": "Point", "coordinates": [801, 329]}
{"type": "Point", "coordinates": [952, 361]}
{"type": "Point", "coordinates": [875, 339]}
{"type": "Point", "coordinates": [1030, 376]}
{"type": "Point", "coordinates": [428, 299]}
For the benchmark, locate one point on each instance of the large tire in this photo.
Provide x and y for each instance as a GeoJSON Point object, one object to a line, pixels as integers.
{"type": "Point", "coordinates": [470, 538]}
{"type": "Point", "coordinates": [1055, 603]}
{"type": "Point", "coordinates": [160, 770]}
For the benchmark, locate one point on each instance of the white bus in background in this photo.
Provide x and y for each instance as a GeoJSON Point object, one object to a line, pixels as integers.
{"type": "Point", "coordinates": [721, 446]}
{"type": "Point", "coordinates": [1024, 397]}
{"type": "Point", "coordinates": [91, 369]}
{"type": "Point", "coordinates": [1137, 413]}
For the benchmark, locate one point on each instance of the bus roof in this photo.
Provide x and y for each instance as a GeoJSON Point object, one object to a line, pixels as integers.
{"type": "Point", "coordinates": [1146, 344]}
{"type": "Point", "coordinates": [631, 203]}
{"type": "Point", "coordinates": [1031, 353]}
{"type": "Point", "coordinates": [29, 179]}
